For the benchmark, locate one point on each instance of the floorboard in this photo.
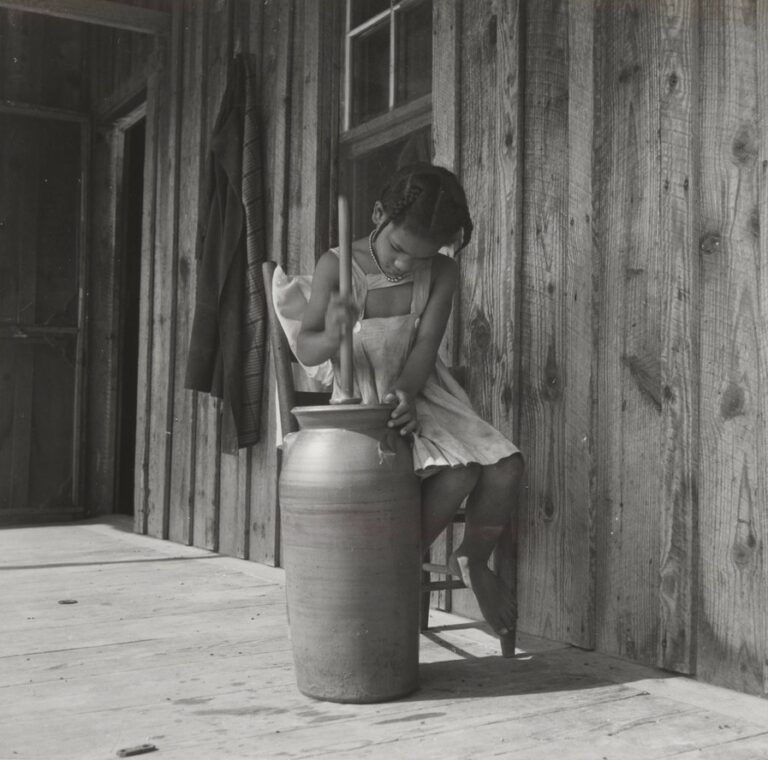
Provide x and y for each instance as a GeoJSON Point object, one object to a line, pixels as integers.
{"type": "Point", "coordinates": [190, 651]}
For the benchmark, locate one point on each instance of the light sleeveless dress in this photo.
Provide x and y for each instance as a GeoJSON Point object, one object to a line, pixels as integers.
{"type": "Point", "coordinates": [452, 433]}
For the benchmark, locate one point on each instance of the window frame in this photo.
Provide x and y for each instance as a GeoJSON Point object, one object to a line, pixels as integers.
{"type": "Point", "coordinates": [399, 120]}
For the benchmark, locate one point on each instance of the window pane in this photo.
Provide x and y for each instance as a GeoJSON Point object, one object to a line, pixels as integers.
{"type": "Point", "coordinates": [362, 10]}
{"type": "Point", "coordinates": [414, 52]}
{"type": "Point", "coordinates": [370, 74]}
{"type": "Point", "coordinates": [371, 171]}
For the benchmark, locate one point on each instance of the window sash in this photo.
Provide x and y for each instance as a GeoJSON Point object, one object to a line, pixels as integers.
{"type": "Point", "coordinates": [387, 127]}
{"type": "Point", "coordinates": [351, 34]}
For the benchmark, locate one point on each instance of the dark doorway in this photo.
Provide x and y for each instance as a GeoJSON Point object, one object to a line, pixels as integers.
{"type": "Point", "coordinates": [41, 266]}
{"type": "Point", "coordinates": [130, 288]}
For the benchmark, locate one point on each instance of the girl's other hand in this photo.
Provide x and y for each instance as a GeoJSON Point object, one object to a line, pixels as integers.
{"type": "Point", "coordinates": [338, 314]}
{"type": "Point", "coordinates": [404, 414]}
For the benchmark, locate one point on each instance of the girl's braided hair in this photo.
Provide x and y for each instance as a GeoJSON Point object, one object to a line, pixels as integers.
{"type": "Point", "coordinates": [431, 200]}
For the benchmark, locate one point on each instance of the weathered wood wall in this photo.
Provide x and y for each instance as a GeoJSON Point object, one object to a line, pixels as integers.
{"type": "Point", "coordinates": [612, 311]}
{"type": "Point", "coordinates": [187, 488]}
{"type": "Point", "coordinates": [644, 335]}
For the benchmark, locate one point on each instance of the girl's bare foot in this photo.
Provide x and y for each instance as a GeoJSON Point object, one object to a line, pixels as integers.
{"type": "Point", "coordinates": [495, 600]}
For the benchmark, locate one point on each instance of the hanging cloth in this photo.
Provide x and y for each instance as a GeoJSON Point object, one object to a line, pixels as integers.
{"type": "Point", "coordinates": [227, 349]}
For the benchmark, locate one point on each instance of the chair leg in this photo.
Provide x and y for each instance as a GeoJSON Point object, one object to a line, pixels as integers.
{"type": "Point", "coordinates": [426, 596]}
{"type": "Point", "coordinates": [448, 552]}
{"type": "Point", "coordinates": [508, 644]}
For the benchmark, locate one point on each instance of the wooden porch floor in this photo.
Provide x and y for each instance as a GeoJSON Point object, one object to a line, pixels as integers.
{"type": "Point", "coordinates": [189, 651]}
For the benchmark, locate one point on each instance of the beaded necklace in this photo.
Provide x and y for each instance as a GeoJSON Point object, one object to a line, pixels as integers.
{"type": "Point", "coordinates": [390, 277]}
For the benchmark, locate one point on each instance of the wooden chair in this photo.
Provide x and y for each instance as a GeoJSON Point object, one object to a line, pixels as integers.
{"type": "Point", "coordinates": [288, 396]}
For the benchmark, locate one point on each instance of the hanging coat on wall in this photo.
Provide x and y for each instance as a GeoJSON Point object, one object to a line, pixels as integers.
{"type": "Point", "coordinates": [227, 350]}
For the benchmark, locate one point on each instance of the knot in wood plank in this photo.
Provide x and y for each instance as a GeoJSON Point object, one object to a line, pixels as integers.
{"type": "Point", "coordinates": [744, 146]}
{"type": "Point", "coordinates": [551, 389]}
{"type": "Point", "coordinates": [710, 243]}
{"type": "Point", "coordinates": [479, 337]}
{"type": "Point", "coordinates": [646, 371]}
{"type": "Point", "coordinates": [744, 545]}
{"type": "Point", "coordinates": [733, 402]}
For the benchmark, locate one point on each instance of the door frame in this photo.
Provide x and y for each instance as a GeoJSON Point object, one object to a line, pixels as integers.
{"type": "Point", "coordinates": [105, 304]}
{"type": "Point", "coordinates": [120, 127]}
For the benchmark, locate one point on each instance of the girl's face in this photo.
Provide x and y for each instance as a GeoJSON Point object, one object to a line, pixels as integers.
{"type": "Point", "coordinates": [399, 249]}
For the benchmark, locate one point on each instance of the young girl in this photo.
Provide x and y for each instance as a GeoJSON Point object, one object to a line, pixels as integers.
{"type": "Point", "coordinates": [402, 291]}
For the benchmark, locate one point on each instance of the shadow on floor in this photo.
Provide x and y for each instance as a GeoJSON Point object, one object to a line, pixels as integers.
{"type": "Point", "coordinates": [123, 523]}
{"type": "Point", "coordinates": [555, 669]}
{"type": "Point", "coordinates": [499, 676]}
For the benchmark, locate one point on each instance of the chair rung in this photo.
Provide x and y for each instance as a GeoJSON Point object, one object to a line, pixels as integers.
{"type": "Point", "coordinates": [431, 567]}
{"type": "Point", "coordinates": [441, 585]}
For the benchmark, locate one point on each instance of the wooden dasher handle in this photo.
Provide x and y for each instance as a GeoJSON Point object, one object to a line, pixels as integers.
{"type": "Point", "coordinates": [345, 289]}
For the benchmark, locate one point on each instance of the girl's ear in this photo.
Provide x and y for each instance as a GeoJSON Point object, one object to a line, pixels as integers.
{"type": "Point", "coordinates": [378, 215]}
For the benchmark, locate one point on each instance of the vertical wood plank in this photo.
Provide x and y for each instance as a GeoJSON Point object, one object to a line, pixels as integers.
{"type": "Point", "coordinates": [260, 456]}
{"type": "Point", "coordinates": [234, 466]}
{"type": "Point", "coordinates": [557, 364]}
{"type": "Point", "coordinates": [277, 70]}
{"type": "Point", "coordinates": [275, 41]}
{"type": "Point", "coordinates": [208, 452]}
{"type": "Point", "coordinates": [478, 72]}
{"type": "Point", "coordinates": [182, 472]}
{"type": "Point", "coordinates": [321, 27]}
{"type": "Point", "coordinates": [101, 385]}
{"type": "Point", "coordinates": [509, 258]}
{"type": "Point", "coordinates": [679, 293]}
{"type": "Point", "coordinates": [164, 311]}
{"type": "Point", "coordinates": [277, 62]}
{"type": "Point", "coordinates": [579, 327]}
{"type": "Point", "coordinates": [762, 428]}
{"type": "Point", "coordinates": [491, 172]}
{"type": "Point", "coordinates": [629, 429]}
{"type": "Point", "coordinates": [446, 141]}
{"type": "Point", "coordinates": [296, 253]}
{"type": "Point", "coordinates": [762, 266]}
{"type": "Point", "coordinates": [246, 19]}
{"type": "Point", "coordinates": [146, 308]}
{"type": "Point", "coordinates": [733, 523]}
{"type": "Point", "coordinates": [446, 124]}
{"type": "Point", "coordinates": [545, 344]}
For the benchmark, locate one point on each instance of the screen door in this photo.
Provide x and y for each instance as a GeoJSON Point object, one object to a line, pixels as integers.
{"type": "Point", "coordinates": [42, 173]}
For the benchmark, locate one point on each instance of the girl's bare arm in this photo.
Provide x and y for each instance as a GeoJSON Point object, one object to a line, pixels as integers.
{"type": "Point", "coordinates": [429, 334]}
{"type": "Point", "coordinates": [326, 313]}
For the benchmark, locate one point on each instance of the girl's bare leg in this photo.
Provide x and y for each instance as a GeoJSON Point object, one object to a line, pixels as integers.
{"type": "Point", "coordinates": [441, 497]}
{"type": "Point", "coordinates": [489, 509]}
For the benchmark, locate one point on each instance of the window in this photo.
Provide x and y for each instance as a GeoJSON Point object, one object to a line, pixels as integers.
{"type": "Point", "coordinates": [387, 96]}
